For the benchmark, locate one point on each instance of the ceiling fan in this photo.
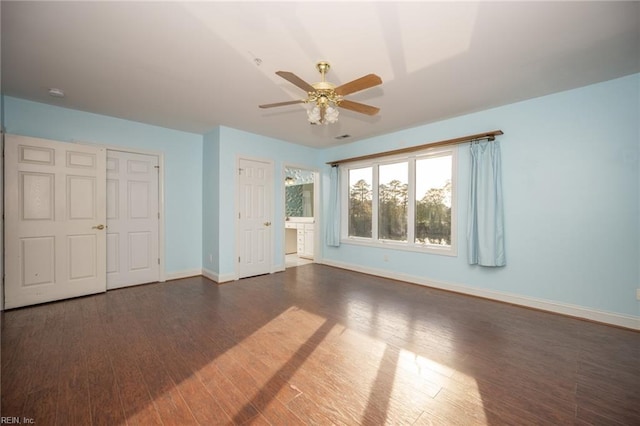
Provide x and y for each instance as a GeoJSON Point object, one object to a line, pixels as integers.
{"type": "Point", "coordinates": [326, 96]}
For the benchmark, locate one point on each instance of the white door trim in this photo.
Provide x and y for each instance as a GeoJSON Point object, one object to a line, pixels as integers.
{"type": "Point", "coordinates": [237, 209]}
{"type": "Point", "coordinates": [317, 211]}
{"type": "Point", "coordinates": [161, 224]}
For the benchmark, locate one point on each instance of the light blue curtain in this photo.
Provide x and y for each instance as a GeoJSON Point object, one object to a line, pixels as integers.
{"type": "Point", "coordinates": [333, 217]}
{"type": "Point", "coordinates": [485, 232]}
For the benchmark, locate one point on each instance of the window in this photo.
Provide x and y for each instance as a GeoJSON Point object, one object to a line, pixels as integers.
{"type": "Point", "coordinates": [405, 202]}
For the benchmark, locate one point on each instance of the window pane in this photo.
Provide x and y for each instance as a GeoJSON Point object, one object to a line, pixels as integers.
{"type": "Point", "coordinates": [360, 202]}
{"type": "Point", "coordinates": [433, 200]}
{"type": "Point", "coordinates": [392, 207]}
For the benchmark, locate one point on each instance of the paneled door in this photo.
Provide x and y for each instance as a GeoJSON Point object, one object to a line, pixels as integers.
{"type": "Point", "coordinates": [133, 219]}
{"type": "Point", "coordinates": [255, 191]}
{"type": "Point", "coordinates": [55, 233]}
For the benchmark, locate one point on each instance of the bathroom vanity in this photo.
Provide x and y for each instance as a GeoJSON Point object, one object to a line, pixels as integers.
{"type": "Point", "coordinates": [299, 236]}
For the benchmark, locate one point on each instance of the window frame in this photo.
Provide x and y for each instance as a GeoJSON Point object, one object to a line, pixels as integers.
{"type": "Point", "coordinates": [410, 244]}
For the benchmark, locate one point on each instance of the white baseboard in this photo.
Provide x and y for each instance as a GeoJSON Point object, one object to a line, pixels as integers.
{"type": "Point", "coordinates": [627, 321]}
{"type": "Point", "coordinates": [182, 274]}
{"type": "Point", "coordinates": [225, 278]}
{"type": "Point", "coordinates": [277, 268]}
{"type": "Point", "coordinates": [208, 273]}
{"type": "Point", "coordinates": [219, 278]}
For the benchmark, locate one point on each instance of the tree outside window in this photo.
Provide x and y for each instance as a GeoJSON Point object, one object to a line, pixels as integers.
{"type": "Point", "coordinates": [433, 201]}
{"type": "Point", "coordinates": [410, 200]}
{"type": "Point", "coordinates": [360, 202]}
{"type": "Point", "coordinates": [393, 201]}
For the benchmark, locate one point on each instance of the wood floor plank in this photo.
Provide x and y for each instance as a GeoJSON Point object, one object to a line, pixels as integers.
{"type": "Point", "coordinates": [305, 408]}
{"type": "Point", "coordinates": [320, 385]}
{"type": "Point", "coordinates": [138, 403]}
{"type": "Point", "coordinates": [312, 345]}
{"type": "Point", "coordinates": [106, 406]}
{"type": "Point", "coordinates": [183, 363]}
{"type": "Point", "coordinates": [231, 399]}
{"type": "Point", "coordinates": [163, 388]}
{"type": "Point", "coordinates": [33, 365]}
{"type": "Point", "coordinates": [586, 416]}
{"type": "Point", "coordinates": [41, 405]}
{"type": "Point", "coordinates": [73, 375]}
{"type": "Point", "coordinates": [267, 380]}
{"type": "Point", "coordinates": [454, 409]}
{"type": "Point", "coordinates": [262, 396]}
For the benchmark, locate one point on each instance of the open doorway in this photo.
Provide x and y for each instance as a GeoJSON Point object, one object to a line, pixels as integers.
{"type": "Point", "coordinates": [301, 194]}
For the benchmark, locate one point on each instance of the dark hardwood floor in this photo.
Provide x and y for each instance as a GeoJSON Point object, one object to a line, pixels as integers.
{"type": "Point", "coordinates": [312, 345]}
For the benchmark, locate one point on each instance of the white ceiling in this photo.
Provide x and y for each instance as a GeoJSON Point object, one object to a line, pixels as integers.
{"type": "Point", "coordinates": [191, 66]}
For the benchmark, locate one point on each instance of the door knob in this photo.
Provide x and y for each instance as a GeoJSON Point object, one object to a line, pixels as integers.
{"type": "Point", "coordinates": [267, 224]}
{"type": "Point", "coordinates": [101, 226]}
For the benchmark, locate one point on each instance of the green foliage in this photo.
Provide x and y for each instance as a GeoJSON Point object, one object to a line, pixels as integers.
{"type": "Point", "coordinates": [360, 209]}
{"type": "Point", "coordinates": [433, 216]}
{"type": "Point", "coordinates": [433, 213]}
{"type": "Point", "coordinates": [392, 211]}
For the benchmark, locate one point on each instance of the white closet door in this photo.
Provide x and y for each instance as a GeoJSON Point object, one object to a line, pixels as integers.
{"type": "Point", "coordinates": [132, 219]}
{"type": "Point", "coordinates": [55, 242]}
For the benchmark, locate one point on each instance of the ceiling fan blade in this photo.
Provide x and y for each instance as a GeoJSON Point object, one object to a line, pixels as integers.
{"type": "Point", "coordinates": [282, 104]}
{"type": "Point", "coordinates": [358, 107]}
{"type": "Point", "coordinates": [356, 85]}
{"type": "Point", "coordinates": [294, 79]}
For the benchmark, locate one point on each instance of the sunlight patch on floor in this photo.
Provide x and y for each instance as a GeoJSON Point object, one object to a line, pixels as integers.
{"type": "Point", "coordinates": [263, 369]}
{"type": "Point", "coordinates": [424, 367]}
{"type": "Point", "coordinates": [459, 390]}
{"type": "Point", "coordinates": [299, 354]}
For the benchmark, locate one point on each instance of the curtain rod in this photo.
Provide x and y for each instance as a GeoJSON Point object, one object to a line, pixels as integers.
{"type": "Point", "coordinates": [487, 135]}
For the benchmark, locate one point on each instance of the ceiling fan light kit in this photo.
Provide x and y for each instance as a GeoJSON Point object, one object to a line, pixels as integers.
{"type": "Point", "coordinates": [314, 115]}
{"type": "Point", "coordinates": [326, 97]}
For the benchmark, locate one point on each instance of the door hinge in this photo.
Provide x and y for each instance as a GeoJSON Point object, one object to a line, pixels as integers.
{"type": "Point", "coordinates": [158, 261]}
{"type": "Point", "coordinates": [239, 215]}
{"type": "Point", "coordinates": [238, 259]}
{"type": "Point", "coordinates": [158, 215]}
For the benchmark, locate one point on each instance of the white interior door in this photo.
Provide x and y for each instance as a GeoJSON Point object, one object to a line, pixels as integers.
{"type": "Point", "coordinates": [132, 218]}
{"type": "Point", "coordinates": [55, 242]}
{"type": "Point", "coordinates": [255, 192]}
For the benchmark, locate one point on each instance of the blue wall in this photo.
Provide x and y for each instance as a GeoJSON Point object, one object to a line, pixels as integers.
{"type": "Point", "coordinates": [211, 201]}
{"type": "Point", "coordinates": [572, 197]}
{"type": "Point", "coordinates": [183, 165]}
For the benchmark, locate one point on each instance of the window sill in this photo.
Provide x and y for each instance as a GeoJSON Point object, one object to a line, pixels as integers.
{"type": "Point", "coordinates": [444, 251]}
